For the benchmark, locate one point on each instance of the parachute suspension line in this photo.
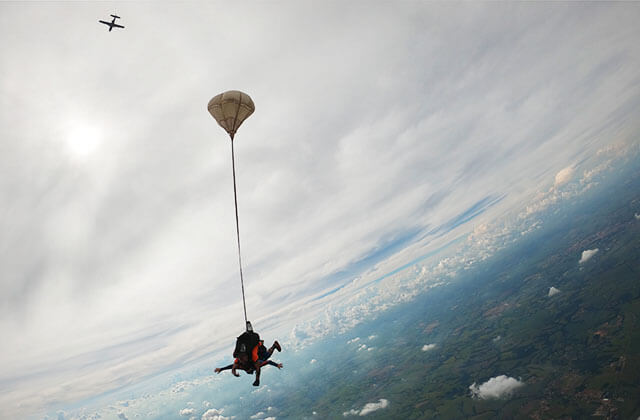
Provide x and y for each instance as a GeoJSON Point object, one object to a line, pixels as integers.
{"type": "Point", "coordinates": [235, 199]}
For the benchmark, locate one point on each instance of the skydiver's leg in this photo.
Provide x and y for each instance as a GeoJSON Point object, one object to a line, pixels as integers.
{"type": "Point", "coordinates": [257, 381]}
{"type": "Point", "coordinates": [218, 370]}
{"type": "Point", "coordinates": [275, 346]}
{"type": "Point", "coordinates": [263, 353]}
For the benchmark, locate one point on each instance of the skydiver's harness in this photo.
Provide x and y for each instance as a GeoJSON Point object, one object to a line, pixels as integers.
{"type": "Point", "coordinates": [247, 343]}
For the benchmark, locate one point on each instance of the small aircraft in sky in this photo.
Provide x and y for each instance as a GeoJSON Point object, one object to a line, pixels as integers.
{"type": "Point", "coordinates": [113, 23]}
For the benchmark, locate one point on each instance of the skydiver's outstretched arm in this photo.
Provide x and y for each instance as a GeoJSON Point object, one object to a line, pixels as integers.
{"type": "Point", "coordinates": [269, 362]}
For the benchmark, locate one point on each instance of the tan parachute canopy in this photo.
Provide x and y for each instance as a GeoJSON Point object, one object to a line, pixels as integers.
{"type": "Point", "coordinates": [230, 109]}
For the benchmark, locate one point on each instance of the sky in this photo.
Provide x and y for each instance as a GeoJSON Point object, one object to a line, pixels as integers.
{"type": "Point", "coordinates": [383, 131]}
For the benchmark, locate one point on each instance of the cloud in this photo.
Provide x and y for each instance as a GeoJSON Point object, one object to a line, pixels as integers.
{"type": "Point", "coordinates": [187, 412]}
{"type": "Point", "coordinates": [122, 416]}
{"type": "Point", "coordinates": [553, 291]}
{"type": "Point", "coordinates": [300, 334]}
{"type": "Point", "coordinates": [261, 414]}
{"type": "Point", "coordinates": [313, 361]}
{"type": "Point", "coordinates": [428, 347]}
{"type": "Point", "coordinates": [637, 216]}
{"type": "Point", "coordinates": [353, 340]}
{"type": "Point", "coordinates": [564, 176]}
{"type": "Point", "coordinates": [604, 162]}
{"type": "Point", "coordinates": [214, 414]}
{"type": "Point", "coordinates": [179, 387]}
{"type": "Point", "coordinates": [371, 407]}
{"type": "Point", "coordinates": [261, 389]}
{"type": "Point", "coordinates": [368, 408]}
{"type": "Point", "coordinates": [499, 387]}
{"type": "Point", "coordinates": [91, 416]}
{"type": "Point", "coordinates": [587, 255]}
{"type": "Point", "coordinates": [371, 337]}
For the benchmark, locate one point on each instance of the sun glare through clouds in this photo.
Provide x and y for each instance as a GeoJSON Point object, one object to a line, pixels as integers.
{"type": "Point", "coordinates": [82, 140]}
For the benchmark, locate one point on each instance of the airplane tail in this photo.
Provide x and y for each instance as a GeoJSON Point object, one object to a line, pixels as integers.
{"type": "Point", "coordinates": [114, 16]}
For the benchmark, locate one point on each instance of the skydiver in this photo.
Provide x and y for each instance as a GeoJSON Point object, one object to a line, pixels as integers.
{"type": "Point", "coordinates": [259, 357]}
{"type": "Point", "coordinates": [263, 356]}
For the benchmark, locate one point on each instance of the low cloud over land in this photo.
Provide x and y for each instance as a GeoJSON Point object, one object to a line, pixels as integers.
{"type": "Point", "coordinates": [213, 414]}
{"type": "Point", "coordinates": [368, 408]}
{"type": "Point", "coordinates": [587, 255]}
{"type": "Point", "coordinates": [499, 387]}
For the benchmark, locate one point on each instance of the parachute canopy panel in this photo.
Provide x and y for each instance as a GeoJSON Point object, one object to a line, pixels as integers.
{"type": "Point", "coordinates": [230, 109]}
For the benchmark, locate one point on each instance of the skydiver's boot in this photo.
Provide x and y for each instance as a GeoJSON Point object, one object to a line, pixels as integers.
{"type": "Point", "coordinates": [256, 382]}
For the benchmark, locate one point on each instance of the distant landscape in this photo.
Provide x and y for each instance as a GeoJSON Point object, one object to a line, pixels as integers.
{"type": "Point", "coordinates": [576, 352]}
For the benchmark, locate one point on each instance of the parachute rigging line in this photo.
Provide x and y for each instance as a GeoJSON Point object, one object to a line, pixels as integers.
{"type": "Point", "coordinates": [235, 200]}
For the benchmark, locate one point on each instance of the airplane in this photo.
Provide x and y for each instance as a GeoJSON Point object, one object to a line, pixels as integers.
{"type": "Point", "coordinates": [112, 24]}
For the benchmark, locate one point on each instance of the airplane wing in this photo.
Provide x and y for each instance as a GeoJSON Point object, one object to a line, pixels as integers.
{"type": "Point", "coordinates": [106, 23]}
{"type": "Point", "coordinates": [117, 26]}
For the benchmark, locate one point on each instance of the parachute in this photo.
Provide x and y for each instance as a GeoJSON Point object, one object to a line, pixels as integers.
{"type": "Point", "coordinates": [230, 109]}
